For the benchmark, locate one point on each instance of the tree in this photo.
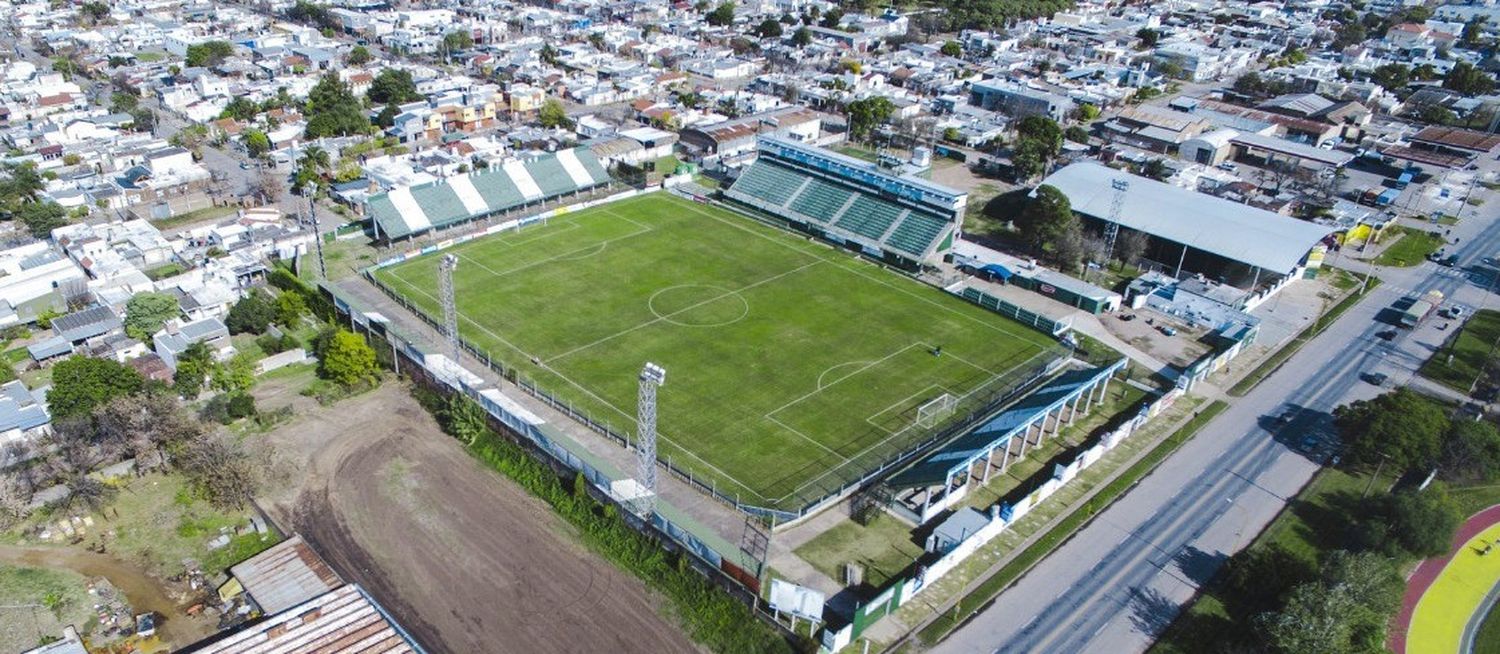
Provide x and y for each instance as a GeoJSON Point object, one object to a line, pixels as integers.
{"type": "Point", "coordinates": [952, 49]}
{"type": "Point", "coordinates": [866, 114]}
{"type": "Point", "coordinates": [223, 469]}
{"type": "Point", "coordinates": [1345, 610]}
{"type": "Point", "coordinates": [194, 365]}
{"type": "Point", "coordinates": [1471, 452]}
{"type": "Point", "coordinates": [1350, 33]}
{"type": "Point", "coordinates": [145, 314]}
{"type": "Point", "coordinates": [358, 56]}
{"type": "Point", "coordinates": [1468, 80]}
{"type": "Point", "coordinates": [347, 359]}
{"type": "Point", "coordinates": [1436, 114]}
{"type": "Point", "coordinates": [41, 218]}
{"type": "Point", "coordinates": [234, 376]}
{"type": "Point", "coordinates": [143, 119]}
{"type": "Point", "coordinates": [80, 383]}
{"type": "Point", "coordinates": [768, 28]}
{"type": "Point", "coordinates": [240, 108]}
{"type": "Point", "coordinates": [94, 11]}
{"type": "Point", "coordinates": [721, 16]}
{"type": "Point", "coordinates": [1391, 77]}
{"type": "Point", "coordinates": [332, 109]}
{"type": "Point", "coordinates": [252, 314]}
{"type": "Point", "coordinates": [1044, 131]}
{"type": "Point", "coordinates": [146, 426]}
{"type": "Point", "coordinates": [290, 307]}
{"type": "Point", "coordinates": [1087, 112]}
{"type": "Point", "coordinates": [802, 37]}
{"type": "Point", "coordinates": [1155, 169]}
{"type": "Point", "coordinates": [1473, 30]}
{"type": "Point", "coordinates": [257, 143]}
{"type": "Point", "coordinates": [1148, 37]}
{"type": "Point", "coordinates": [1076, 134]}
{"type": "Point", "coordinates": [387, 116]}
{"type": "Point", "coordinates": [123, 103]}
{"type": "Point", "coordinates": [552, 114]}
{"type": "Point", "coordinates": [1130, 246]}
{"type": "Point", "coordinates": [457, 41]}
{"type": "Point", "coordinates": [393, 86]}
{"type": "Point", "coordinates": [832, 19]}
{"type": "Point", "coordinates": [1421, 523]}
{"type": "Point", "coordinates": [266, 187]}
{"type": "Point", "coordinates": [1047, 217]}
{"type": "Point", "coordinates": [208, 54]}
{"type": "Point", "coordinates": [1401, 426]}
{"type": "Point", "coordinates": [1027, 160]}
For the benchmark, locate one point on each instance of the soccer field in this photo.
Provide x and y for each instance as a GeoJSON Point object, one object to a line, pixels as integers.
{"type": "Point", "coordinates": [792, 367]}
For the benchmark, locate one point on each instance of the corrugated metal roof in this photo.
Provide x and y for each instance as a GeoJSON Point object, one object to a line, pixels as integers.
{"type": "Point", "coordinates": [341, 621]}
{"type": "Point", "coordinates": [1231, 230]}
{"type": "Point", "coordinates": [287, 574]}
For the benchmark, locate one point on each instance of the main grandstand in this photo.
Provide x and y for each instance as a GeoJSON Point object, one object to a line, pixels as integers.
{"type": "Point", "coordinates": [413, 210]}
{"type": "Point", "coordinates": [899, 219]}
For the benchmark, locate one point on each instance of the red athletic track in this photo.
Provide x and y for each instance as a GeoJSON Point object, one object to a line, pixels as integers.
{"type": "Point", "coordinates": [1427, 572]}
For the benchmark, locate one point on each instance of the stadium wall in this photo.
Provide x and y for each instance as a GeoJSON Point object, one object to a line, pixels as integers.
{"type": "Point", "coordinates": [729, 566]}
{"type": "Point", "coordinates": [902, 590]}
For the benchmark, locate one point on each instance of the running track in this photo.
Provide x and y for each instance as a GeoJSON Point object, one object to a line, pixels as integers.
{"type": "Point", "coordinates": [1427, 572]}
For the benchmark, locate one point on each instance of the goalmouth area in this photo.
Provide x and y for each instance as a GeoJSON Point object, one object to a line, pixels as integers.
{"type": "Point", "coordinates": [794, 369]}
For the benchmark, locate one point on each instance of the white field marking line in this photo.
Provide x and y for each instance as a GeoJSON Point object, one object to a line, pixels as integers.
{"type": "Point", "coordinates": [807, 438]}
{"type": "Point", "coordinates": [836, 366]}
{"type": "Point", "coordinates": [871, 418]}
{"type": "Point", "coordinates": [690, 307]}
{"type": "Point", "coordinates": [568, 380]}
{"type": "Point", "coordinates": [564, 228]}
{"type": "Point", "coordinates": [878, 443]}
{"type": "Point", "coordinates": [564, 256]}
{"type": "Point", "coordinates": [650, 304]}
{"type": "Point", "coordinates": [861, 274]}
{"type": "Point", "coordinates": [835, 382]}
{"type": "Point", "coordinates": [625, 218]}
{"type": "Point", "coordinates": [750, 231]}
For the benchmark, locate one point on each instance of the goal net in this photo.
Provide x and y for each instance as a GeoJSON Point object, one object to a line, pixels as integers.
{"type": "Point", "coordinates": [934, 410]}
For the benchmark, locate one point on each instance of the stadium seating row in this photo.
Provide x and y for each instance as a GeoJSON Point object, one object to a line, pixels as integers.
{"type": "Point", "coordinates": [802, 197]}
{"type": "Point", "coordinates": [448, 201]}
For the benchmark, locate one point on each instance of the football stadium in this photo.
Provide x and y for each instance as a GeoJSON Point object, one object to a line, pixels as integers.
{"type": "Point", "coordinates": [797, 371]}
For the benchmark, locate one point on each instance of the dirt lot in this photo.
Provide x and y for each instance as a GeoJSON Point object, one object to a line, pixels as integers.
{"type": "Point", "coordinates": [463, 558]}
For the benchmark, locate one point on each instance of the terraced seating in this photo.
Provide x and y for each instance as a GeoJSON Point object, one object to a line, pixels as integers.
{"type": "Point", "coordinates": [820, 201]}
{"type": "Point", "coordinates": [591, 164]}
{"type": "Point", "coordinates": [916, 233]}
{"type": "Point", "coordinates": [869, 217]}
{"type": "Point", "coordinates": [769, 183]}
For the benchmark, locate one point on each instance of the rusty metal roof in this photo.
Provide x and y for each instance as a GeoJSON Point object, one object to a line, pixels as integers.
{"type": "Point", "coordinates": [342, 621]}
{"type": "Point", "coordinates": [286, 575]}
{"type": "Point", "coordinates": [1458, 138]}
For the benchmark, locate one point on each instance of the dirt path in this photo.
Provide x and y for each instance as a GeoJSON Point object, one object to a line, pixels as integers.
{"type": "Point", "coordinates": [464, 558]}
{"type": "Point", "coordinates": [142, 591]}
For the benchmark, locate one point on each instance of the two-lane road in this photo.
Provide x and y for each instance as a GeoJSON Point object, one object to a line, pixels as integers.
{"type": "Point", "coordinates": [1121, 580]}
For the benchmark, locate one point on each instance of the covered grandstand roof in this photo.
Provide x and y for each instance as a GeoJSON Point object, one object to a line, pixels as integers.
{"type": "Point", "coordinates": [409, 210]}
{"type": "Point", "coordinates": [963, 452]}
{"type": "Point", "coordinates": [1228, 229]}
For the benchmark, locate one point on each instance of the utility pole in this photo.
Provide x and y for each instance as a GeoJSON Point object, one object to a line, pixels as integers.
{"type": "Point", "coordinates": [652, 377]}
{"type": "Point", "coordinates": [312, 216]}
{"type": "Point", "coordinates": [450, 305]}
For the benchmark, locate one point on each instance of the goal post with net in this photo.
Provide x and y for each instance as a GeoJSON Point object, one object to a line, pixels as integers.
{"type": "Point", "coordinates": [933, 411]}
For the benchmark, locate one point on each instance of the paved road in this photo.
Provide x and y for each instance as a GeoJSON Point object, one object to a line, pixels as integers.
{"type": "Point", "coordinates": [1125, 577]}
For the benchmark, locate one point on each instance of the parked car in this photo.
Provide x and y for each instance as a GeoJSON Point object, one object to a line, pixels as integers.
{"type": "Point", "coordinates": [1169, 331]}
{"type": "Point", "coordinates": [1386, 335]}
{"type": "Point", "coordinates": [1376, 378]}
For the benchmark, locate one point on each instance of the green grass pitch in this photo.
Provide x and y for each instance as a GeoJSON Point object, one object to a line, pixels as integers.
{"type": "Point", "coordinates": [792, 367]}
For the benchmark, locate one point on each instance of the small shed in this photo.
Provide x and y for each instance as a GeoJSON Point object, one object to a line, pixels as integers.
{"type": "Point", "coordinates": [957, 528]}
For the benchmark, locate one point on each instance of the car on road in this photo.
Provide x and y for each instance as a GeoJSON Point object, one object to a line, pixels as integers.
{"type": "Point", "coordinates": [1386, 335]}
{"type": "Point", "coordinates": [1448, 261]}
{"type": "Point", "coordinates": [1376, 378]}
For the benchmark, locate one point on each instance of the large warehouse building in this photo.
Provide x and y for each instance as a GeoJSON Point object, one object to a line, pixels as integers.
{"type": "Point", "coordinates": [900, 219]}
{"type": "Point", "coordinates": [413, 210]}
{"type": "Point", "coordinates": [1196, 233]}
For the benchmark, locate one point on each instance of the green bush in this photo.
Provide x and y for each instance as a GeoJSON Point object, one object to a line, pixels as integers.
{"type": "Point", "coordinates": [709, 615]}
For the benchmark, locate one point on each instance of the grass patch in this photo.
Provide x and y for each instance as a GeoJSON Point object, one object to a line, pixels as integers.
{"type": "Point", "coordinates": [794, 367]}
{"type": "Point", "coordinates": [1487, 639]}
{"type": "Point", "coordinates": [857, 152]}
{"type": "Point", "coordinates": [986, 591]}
{"type": "Point", "coordinates": [1273, 362]}
{"type": "Point", "coordinates": [1411, 249]}
{"type": "Point", "coordinates": [1462, 357]}
{"type": "Point", "coordinates": [197, 215]}
{"type": "Point", "coordinates": [710, 616]}
{"type": "Point", "coordinates": [150, 57]}
{"type": "Point", "coordinates": [163, 272]}
{"type": "Point", "coordinates": [884, 547]}
{"type": "Point", "coordinates": [38, 603]}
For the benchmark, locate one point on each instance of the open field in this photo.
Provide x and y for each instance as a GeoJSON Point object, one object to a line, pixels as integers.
{"type": "Point", "coordinates": [1411, 249]}
{"type": "Point", "coordinates": [38, 603]}
{"type": "Point", "coordinates": [1487, 640]}
{"type": "Point", "coordinates": [1468, 350]}
{"type": "Point", "coordinates": [793, 368]}
{"type": "Point", "coordinates": [383, 490]}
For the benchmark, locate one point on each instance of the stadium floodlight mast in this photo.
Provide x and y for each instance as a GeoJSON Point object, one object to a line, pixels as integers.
{"type": "Point", "coordinates": [652, 377]}
{"type": "Point", "coordinates": [1112, 226]}
{"type": "Point", "coordinates": [450, 304]}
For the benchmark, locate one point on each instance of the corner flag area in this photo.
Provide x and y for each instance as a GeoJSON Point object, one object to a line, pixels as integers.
{"type": "Point", "coordinates": [1448, 597]}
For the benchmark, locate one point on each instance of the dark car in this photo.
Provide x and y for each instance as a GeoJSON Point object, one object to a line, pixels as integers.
{"type": "Point", "coordinates": [1387, 334]}
{"type": "Point", "coordinates": [1449, 261]}
{"type": "Point", "coordinates": [1376, 378]}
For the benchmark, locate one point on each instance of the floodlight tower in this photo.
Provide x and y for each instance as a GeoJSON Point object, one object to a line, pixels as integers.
{"type": "Point", "coordinates": [1112, 226]}
{"type": "Point", "coordinates": [450, 306]}
{"type": "Point", "coordinates": [652, 377]}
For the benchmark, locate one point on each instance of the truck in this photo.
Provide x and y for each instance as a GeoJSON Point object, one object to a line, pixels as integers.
{"type": "Point", "coordinates": [1421, 309]}
{"type": "Point", "coordinates": [1404, 179]}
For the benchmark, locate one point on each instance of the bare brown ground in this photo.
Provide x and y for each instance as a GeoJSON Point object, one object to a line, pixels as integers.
{"type": "Point", "coordinates": [462, 557]}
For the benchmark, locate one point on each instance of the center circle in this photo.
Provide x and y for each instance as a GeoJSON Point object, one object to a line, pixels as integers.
{"type": "Point", "coordinates": [698, 305]}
